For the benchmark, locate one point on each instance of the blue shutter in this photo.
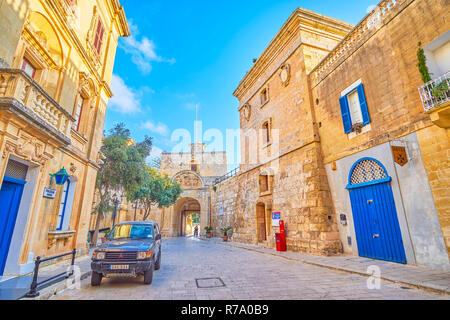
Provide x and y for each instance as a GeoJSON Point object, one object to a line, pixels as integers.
{"type": "Point", "coordinates": [345, 112]}
{"type": "Point", "coordinates": [363, 104]}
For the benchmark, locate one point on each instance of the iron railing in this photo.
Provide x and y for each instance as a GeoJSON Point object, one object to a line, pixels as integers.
{"type": "Point", "coordinates": [229, 175]}
{"type": "Point", "coordinates": [33, 293]}
{"type": "Point", "coordinates": [436, 92]}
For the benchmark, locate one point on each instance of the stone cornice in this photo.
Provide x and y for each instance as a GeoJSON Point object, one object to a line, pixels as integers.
{"type": "Point", "coordinates": [300, 19]}
{"type": "Point", "coordinates": [123, 23]}
{"type": "Point", "coordinates": [385, 11]}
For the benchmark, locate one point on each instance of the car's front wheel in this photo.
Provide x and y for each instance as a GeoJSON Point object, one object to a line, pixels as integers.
{"type": "Point", "coordinates": [158, 263]}
{"type": "Point", "coordinates": [148, 275]}
{"type": "Point", "coordinates": [96, 279]}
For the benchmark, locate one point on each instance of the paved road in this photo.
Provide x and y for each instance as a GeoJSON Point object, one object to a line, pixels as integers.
{"type": "Point", "coordinates": [245, 274]}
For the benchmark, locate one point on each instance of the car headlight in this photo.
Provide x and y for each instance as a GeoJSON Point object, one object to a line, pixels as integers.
{"type": "Point", "coordinates": [99, 255]}
{"type": "Point", "coordinates": [144, 255]}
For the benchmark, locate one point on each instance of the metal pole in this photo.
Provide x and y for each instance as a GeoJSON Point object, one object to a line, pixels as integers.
{"type": "Point", "coordinates": [74, 253]}
{"type": "Point", "coordinates": [33, 288]}
{"type": "Point", "coordinates": [115, 212]}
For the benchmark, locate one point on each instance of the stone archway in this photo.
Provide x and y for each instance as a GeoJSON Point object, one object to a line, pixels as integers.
{"type": "Point", "coordinates": [187, 213]}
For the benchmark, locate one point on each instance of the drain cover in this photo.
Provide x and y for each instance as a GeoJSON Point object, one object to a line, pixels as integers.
{"type": "Point", "coordinates": [209, 283]}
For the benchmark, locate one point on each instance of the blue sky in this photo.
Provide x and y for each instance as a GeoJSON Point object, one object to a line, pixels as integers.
{"type": "Point", "coordinates": [183, 53]}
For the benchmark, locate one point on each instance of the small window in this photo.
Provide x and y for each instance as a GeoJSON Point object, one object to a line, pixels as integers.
{"type": "Point", "coordinates": [355, 107]}
{"type": "Point", "coordinates": [354, 111]}
{"type": "Point", "coordinates": [264, 96]}
{"type": "Point", "coordinates": [63, 207]}
{"type": "Point", "coordinates": [78, 112]}
{"type": "Point", "coordinates": [266, 132]}
{"type": "Point", "coordinates": [194, 167]}
{"type": "Point", "coordinates": [263, 184]}
{"type": "Point", "coordinates": [98, 39]}
{"type": "Point", "coordinates": [28, 68]}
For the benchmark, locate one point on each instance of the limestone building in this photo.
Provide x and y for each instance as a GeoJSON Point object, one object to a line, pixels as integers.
{"type": "Point", "coordinates": [342, 137]}
{"type": "Point", "coordinates": [196, 171]}
{"type": "Point", "coordinates": [384, 134]}
{"type": "Point", "coordinates": [56, 62]}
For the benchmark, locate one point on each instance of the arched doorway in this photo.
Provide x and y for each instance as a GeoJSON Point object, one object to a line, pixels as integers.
{"type": "Point", "coordinates": [187, 216]}
{"type": "Point", "coordinates": [375, 217]}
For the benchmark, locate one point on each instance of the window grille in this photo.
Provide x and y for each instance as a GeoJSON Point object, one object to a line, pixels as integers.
{"type": "Point", "coordinates": [366, 171]}
{"type": "Point", "coordinates": [16, 170]}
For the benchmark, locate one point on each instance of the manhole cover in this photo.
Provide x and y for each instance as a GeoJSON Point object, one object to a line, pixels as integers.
{"type": "Point", "coordinates": [209, 283]}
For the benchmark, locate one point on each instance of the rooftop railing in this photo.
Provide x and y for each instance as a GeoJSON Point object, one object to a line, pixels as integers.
{"type": "Point", "coordinates": [369, 23]}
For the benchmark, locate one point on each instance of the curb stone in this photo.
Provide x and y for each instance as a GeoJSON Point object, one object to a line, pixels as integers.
{"type": "Point", "coordinates": [444, 290]}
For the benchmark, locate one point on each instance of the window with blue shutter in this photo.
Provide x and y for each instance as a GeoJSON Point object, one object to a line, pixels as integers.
{"type": "Point", "coordinates": [363, 104]}
{"type": "Point", "coordinates": [345, 112]}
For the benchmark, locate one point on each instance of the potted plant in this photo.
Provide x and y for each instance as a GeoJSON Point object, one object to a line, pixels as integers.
{"type": "Point", "coordinates": [208, 232]}
{"type": "Point", "coordinates": [357, 127]}
{"type": "Point", "coordinates": [225, 233]}
{"type": "Point", "coordinates": [440, 90]}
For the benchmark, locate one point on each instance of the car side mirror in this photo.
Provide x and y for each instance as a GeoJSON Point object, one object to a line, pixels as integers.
{"type": "Point", "coordinates": [158, 237]}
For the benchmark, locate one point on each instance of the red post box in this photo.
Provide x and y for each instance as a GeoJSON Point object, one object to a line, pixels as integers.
{"type": "Point", "coordinates": [281, 238]}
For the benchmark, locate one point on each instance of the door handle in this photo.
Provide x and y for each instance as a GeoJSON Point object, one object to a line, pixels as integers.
{"type": "Point", "coordinates": [376, 236]}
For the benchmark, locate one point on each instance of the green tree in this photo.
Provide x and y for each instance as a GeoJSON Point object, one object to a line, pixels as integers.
{"type": "Point", "coordinates": [156, 190]}
{"type": "Point", "coordinates": [422, 64]}
{"type": "Point", "coordinates": [123, 168]}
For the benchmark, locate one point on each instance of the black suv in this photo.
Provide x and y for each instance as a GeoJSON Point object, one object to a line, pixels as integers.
{"type": "Point", "coordinates": [131, 249]}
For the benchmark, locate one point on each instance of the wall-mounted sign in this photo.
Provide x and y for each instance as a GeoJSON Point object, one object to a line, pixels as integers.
{"type": "Point", "coordinates": [276, 217]}
{"type": "Point", "coordinates": [400, 155]}
{"type": "Point", "coordinates": [49, 193]}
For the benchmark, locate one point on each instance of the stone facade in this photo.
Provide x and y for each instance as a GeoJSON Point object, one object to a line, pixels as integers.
{"type": "Point", "coordinates": [293, 132]}
{"type": "Point", "coordinates": [196, 172]}
{"type": "Point", "coordinates": [280, 145]}
{"type": "Point", "coordinates": [383, 58]}
{"type": "Point", "coordinates": [54, 88]}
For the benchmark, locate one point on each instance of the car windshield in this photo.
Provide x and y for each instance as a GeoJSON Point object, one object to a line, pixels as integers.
{"type": "Point", "coordinates": [131, 231]}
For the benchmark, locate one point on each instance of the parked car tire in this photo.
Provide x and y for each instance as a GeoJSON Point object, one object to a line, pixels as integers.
{"type": "Point", "coordinates": [96, 279]}
{"type": "Point", "coordinates": [158, 263]}
{"type": "Point", "coordinates": [148, 275]}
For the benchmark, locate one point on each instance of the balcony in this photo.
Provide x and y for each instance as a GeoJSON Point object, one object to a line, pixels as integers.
{"type": "Point", "coordinates": [23, 96]}
{"type": "Point", "coordinates": [435, 97]}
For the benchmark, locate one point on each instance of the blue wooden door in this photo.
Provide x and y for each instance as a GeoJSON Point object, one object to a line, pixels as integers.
{"type": "Point", "coordinates": [10, 196]}
{"type": "Point", "coordinates": [375, 217]}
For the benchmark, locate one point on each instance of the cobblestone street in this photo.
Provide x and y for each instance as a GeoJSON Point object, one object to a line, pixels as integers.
{"type": "Point", "coordinates": [245, 275]}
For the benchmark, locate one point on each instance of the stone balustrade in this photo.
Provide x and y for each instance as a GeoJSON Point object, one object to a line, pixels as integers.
{"type": "Point", "coordinates": [16, 84]}
{"type": "Point", "coordinates": [372, 22]}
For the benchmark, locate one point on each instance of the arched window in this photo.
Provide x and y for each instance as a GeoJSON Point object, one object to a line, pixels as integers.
{"type": "Point", "coordinates": [367, 170]}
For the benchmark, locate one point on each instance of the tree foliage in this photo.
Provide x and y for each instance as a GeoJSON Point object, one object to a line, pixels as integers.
{"type": "Point", "coordinates": [123, 168]}
{"type": "Point", "coordinates": [156, 190]}
{"type": "Point", "coordinates": [422, 64]}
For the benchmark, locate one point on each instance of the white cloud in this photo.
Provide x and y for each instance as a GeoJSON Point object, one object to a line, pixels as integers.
{"type": "Point", "coordinates": [125, 99]}
{"type": "Point", "coordinates": [159, 128]}
{"type": "Point", "coordinates": [156, 152]}
{"type": "Point", "coordinates": [143, 52]}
